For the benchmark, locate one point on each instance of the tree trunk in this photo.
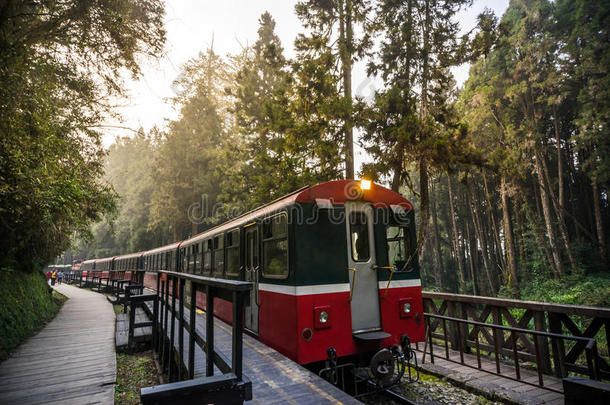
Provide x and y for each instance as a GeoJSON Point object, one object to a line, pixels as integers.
{"type": "Point", "coordinates": [546, 210]}
{"type": "Point", "coordinates": [491, 216]}
{"type": "Point", "coordinates": [474, 206]}
{"type": "Point", "coordinates": [599, 225]}
{"type": "Point", "coordinates": [563, 230]}
{"type": "Point", "coordinates": [561, 192]}
{"type": "Point", "coordinates": [509, 242]}
{"type": "Point", "coordinates": [456, 246]}
{"type": "Point", "coordinates": [424, 201]}
{"type": "Point", "coordinates": [542, 240]}
{"type": "Point", "coordinates": [397, 170]}
{"type": "Point", "coordinates": [437, 246]}
{"type": "Point", "coordinates": [345, 46]}
{"type": "Point", "coordinates": [472, 259]}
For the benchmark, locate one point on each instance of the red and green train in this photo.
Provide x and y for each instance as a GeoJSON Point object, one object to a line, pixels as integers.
{"type": "Point", "coordinates": [332, 266]}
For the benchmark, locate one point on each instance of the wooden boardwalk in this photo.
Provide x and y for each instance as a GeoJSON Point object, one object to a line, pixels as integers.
{"type": "Point", "coordinates": [499, 387]}
{"type": "Point", "coordinates": [71, 361]}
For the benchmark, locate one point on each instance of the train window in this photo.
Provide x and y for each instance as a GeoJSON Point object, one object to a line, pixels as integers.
{"type": "Point", "coordinates": [399, 247]}
{"type": "Point", "coordinates": [219, 255]}
{"type": "Point", "coordinates": [233, 252]}
{"type": "Point", "coordinates": [207, 257]}
{"type": "Point", "coordinates": [275, 247]}
{"type": "Point", "coordinates": [359, 231]}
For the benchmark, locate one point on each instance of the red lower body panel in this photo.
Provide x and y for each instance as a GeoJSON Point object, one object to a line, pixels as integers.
{"type": "Point", "coordinates": [284, 317]}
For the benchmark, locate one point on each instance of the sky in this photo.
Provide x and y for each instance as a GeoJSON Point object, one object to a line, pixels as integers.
{"type": "Point", "coordinates": [193, 25]}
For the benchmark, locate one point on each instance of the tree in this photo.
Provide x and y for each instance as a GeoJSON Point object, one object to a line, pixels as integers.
{"type": "Point", "coordinates": [59, 64]}
{"type": "Point", "coordinates": [259, 107]}
{"type": "Point", "coordinates": [331, 25]}
{"type": "Point", "coordinates": [187, 165]}
{"type": "Point", "coordinates": [410, 121]}
{"type": "Point", "coordinates": [582, 27]}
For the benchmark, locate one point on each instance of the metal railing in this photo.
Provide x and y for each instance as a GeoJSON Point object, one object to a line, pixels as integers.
{"type": "Point", "coordinates": [172, 320]}
{"type": "Point", "coordinates": [476, 329]}
{"type": "Point", "coordinates": [567, 320]}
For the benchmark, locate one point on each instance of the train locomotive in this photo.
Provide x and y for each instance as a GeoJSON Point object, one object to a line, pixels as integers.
{"type": "Point", "coordinates": [334, 272]}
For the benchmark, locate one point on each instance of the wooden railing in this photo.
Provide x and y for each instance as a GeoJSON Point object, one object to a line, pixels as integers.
{"type": "Point", "coordinates": [558, 356]}
{"type": "Point", "coordinates": [229, 387]}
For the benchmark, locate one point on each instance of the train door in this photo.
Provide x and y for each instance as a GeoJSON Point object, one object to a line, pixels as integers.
{"type": "Point", "coordinates": [362, 272]}
{"type": "Point", "coordinates": [252, 270]}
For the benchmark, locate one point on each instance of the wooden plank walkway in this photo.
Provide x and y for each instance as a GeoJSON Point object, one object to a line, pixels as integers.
{"type": "Point", "coordinates": [71, 361]}
{"type": "Point", "coordinates": [499, 387]}
{"type": "Point", "coordinates": [275, 378]}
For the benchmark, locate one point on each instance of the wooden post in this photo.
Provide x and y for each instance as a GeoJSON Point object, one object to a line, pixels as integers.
{"type": "Point", "coordinates": [540, 325]}
{"type": "Point", "coordinates": [558, 347]}
{"type": "Point", "coordinates": [192, 332]}
{"type": "Point", "coordinates": [209, 332]}
{"type": "Point", "coordinates": [464, 327]}
{"type": "Point", "coordinates": [132, 321]}
{"type": "Point", "coordinates": [452, 309]}
{"type": "Point", "coordinates": [497, 318]}
{"type": "Point", "coordinates": [238, 324]}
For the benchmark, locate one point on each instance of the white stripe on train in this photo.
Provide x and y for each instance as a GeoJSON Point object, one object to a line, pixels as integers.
{"type": "Point", "coordinates": [329, 288]}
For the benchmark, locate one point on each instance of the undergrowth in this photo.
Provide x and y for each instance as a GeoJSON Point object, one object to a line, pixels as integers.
{"type": "Point", "coordinates": [578, 289]}
{"type": "Point", "coordinates": [27, 304]}
{"type": "Point", "coordinates": [134, 371]}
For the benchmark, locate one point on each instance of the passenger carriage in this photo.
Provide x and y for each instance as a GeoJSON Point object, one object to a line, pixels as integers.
{"type": "Point", "coordinates": [332, 266]}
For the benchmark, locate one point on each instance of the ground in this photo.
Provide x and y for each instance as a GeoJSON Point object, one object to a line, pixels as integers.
{"type": "Point", "coordinates": [432, 390]}
{"type": "Point", "coordinates": [134, 371]}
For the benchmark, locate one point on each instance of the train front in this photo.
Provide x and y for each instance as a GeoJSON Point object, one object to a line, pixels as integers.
{"type": "Point", "coordinates": [358, 284]}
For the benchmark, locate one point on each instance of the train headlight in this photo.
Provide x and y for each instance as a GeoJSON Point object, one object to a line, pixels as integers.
{"type": "Point", "coordinates": [323, 317]}
{"type": "Point", "coordinates": [405, 307]}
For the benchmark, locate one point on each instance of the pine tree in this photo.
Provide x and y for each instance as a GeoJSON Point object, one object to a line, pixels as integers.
{"type": "Point", "coordinates": [331, 25]}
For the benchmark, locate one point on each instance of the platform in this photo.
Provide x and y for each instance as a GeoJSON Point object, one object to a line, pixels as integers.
{"type": "Point", "coordinates": [275, 378]}
{"type": "Point", "coordinates": [497, 387]}
{"type": "Point", "coordinates": [71, 361]}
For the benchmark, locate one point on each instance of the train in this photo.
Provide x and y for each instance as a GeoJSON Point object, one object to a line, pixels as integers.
{"type": "Point", "coordinates": [333, 267]}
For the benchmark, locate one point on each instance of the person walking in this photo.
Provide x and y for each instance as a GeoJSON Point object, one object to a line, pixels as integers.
{"type": "Point", "coordinates": [48, 276]}
{"type": "Point", "coordinates": [53, 277]}
{"type": "Point", "coordinates": [60, 277]}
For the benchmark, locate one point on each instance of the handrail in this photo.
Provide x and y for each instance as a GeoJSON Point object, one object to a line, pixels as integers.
{"type": "Point", "coordinates": [593, 370]}
{"type": "Point", "coordinates": [512, 329]}
{"type": "Point", "coordinates": [557, 357]}
{"type": "Point", "coordinates": [513, 303]}
{"type": "Point", "coordinates": [170, 308]}
{"type": "Point", "coordinates": [391, 268]}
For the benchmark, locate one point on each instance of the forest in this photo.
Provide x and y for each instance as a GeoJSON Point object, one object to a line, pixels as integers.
{"type": "Point", "coordinates": [509, 173]}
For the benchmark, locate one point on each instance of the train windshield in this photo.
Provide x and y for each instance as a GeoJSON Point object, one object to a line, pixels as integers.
{"type": "Point", "coordinates": [400, 249]}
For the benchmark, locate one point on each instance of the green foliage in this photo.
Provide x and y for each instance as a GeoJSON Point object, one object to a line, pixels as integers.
{"type": "Point", "coordinates": [592, 289]}
{"type": "Point", "coordinates": [27, 303]}
{"type": "Point", "coordinates": [187, 165]}
{"type": "Point", "coordinates": [134, 372]}
{"type": "Point", "coordinates": [59, 63]}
